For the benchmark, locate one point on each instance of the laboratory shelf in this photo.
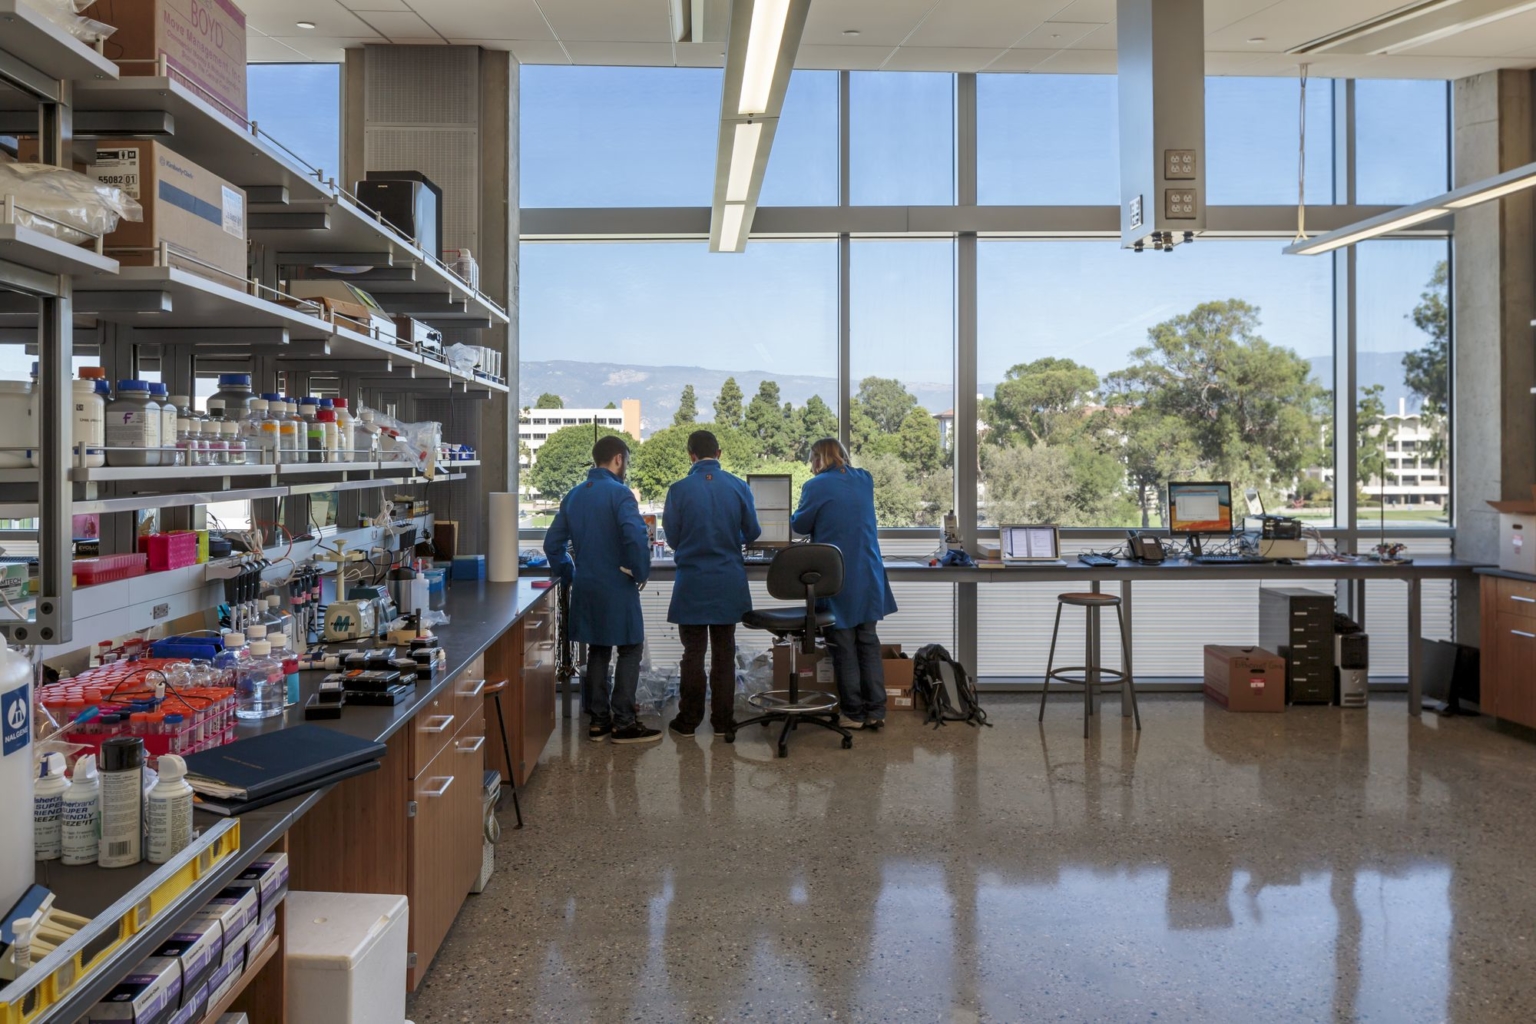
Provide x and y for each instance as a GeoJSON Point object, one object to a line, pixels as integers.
{"type": "Point", "coordinates": [38, 251]}
{"type": "Point", "coordinates": [175, 298]}
{"type": "Point", "coordinates": [105, 474]}
{"type": "Point", "coordinates": [49, 47]}
{"type": "Point", "coordinates": [146, 502]}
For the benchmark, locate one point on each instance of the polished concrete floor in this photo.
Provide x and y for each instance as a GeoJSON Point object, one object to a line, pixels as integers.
{"type": "Point", "coordinates": [1321, 865]}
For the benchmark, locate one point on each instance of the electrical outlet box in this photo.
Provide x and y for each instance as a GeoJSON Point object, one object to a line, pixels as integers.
{"type": "Point", "coordinates": [1179, 203]}
{"type": "Point", "coordinates": [1179, 164]}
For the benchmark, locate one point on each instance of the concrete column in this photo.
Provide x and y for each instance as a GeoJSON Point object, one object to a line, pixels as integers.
{"type": "Point", "coordinates": [1494, 301]}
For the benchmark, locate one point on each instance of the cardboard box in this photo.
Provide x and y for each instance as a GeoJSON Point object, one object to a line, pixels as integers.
{"type": "Point", "coordinates": [198, 947]}
{"type": "Point", "coordinates": [265, 929]}
{"type": "Point", "coordinates": [905, 700]}
{"type": "Point", "coordinates": [815, 668]}
{"type": "Point", "coordinates": [237, 912]}
{"type": "Point", "coordinates": [1517, 535]}
{"type": "Point", "coordinates": [149, 995]}
{"type": "Point", "coordinates": [203, 42]}
{"type": "Point", "coordinates": [198, 214]}
{"type": "Point", "coordinates": [1245, 678]}
{"type": "Point", "coordinates": [268, 876]}
{"type": "Point", "coordinates": [898, 669]}
{"type": "Point", "coordinates": [194, 1006]}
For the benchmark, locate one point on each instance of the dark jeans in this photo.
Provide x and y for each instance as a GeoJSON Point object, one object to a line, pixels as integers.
{"type": "Point", "coordinates": [619, 708]}
{"type": "Point", "coordinates": [721, 641]}
{"type": "Point", "coordinates": [860, 676]}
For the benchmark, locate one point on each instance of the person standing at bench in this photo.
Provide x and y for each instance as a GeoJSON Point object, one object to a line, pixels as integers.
{"type": "Point", "coordinates": [837, 506]}
{"type": "Point", "coordinates": [709, 517]}
{"type": "Point", "coordinates": [600, 519]}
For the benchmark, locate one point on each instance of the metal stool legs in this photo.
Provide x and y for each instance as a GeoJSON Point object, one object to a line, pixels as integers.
{"type": "Point", "coordinates": [1050, 662]}
{"type": "Point", "coordinates": [1125, 660]}
{"type": "Point", "coordinates": [1093, 673]}
{"type": "Point", "coordinates": [506, 751]}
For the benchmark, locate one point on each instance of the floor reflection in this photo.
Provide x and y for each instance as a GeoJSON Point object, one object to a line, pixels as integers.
{"type": "Point", "coordinates": [1316, 865]}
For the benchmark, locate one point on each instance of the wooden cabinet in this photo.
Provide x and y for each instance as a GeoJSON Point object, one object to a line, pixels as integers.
{"type": "Point", "coordinates": [1509, 649]}
{"type": "Point", "coordinates": [526, 656]}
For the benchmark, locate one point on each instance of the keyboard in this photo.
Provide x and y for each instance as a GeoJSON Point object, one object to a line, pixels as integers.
{"type": "Point", "coordinates": [1230, 560]}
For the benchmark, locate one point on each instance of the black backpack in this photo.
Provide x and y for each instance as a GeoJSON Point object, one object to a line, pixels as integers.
{"type": "Point", "coordinates": [945, 688]}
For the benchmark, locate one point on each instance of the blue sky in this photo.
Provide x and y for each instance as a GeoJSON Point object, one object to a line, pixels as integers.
{"type": "Point", "coordinates": [646, 137]}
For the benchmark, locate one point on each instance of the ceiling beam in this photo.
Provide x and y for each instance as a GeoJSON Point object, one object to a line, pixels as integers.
{"type": "Point", "coordinates": [763, 39]}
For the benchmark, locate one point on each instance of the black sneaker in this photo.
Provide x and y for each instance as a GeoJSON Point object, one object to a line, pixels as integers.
{"type": "Point", "coordinates": [874, 724]}
{"type": "Point", "coordinates": [680, 729]}
{"type": "Point", "coordinates": [636, 733]}
{"type": "Point", "coordinates": [599, 731]}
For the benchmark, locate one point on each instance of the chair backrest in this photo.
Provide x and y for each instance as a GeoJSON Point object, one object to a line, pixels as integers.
{"type": "Point", "coordinates": [818, 566]}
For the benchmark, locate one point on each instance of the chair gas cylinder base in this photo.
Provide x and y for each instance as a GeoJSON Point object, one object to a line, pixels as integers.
{"type": "Point", "coordinates": [808, 571]}
{"type": "Point", "coordinates": [1093, 676]}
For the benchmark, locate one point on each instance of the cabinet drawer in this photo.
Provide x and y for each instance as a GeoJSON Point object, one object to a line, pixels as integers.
{"type": "Point", "coordinates": [437, 829]}
{"type": "Point", "coordinates": [468, 697]}
{"type": "Point", "coordinates": [434, 725]}
{"type": "Point", "coordinates": [1515, 649]}
{"type": "Point", "coordinates": [1516, 597]}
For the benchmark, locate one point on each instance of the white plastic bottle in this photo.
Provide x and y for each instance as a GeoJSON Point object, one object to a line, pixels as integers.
{"type": "Point", "coordinates": [344, 424]}
{"type": "Point", "coordinates": [82, 813]}
{"type": "Point", "coordinates": [16, 864]}
{"type": "Point", "coordinates": [88, 425]}
{"type": "Point", "coordinates": [168, 810]}
{"type": "Point", "coordinates": [288, 424]}
{"type": "Point", "coordinates": [48, 808]}
{"type": "Point", "coordinates": [234, 444]}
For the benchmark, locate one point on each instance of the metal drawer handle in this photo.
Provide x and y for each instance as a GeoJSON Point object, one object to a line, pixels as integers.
{"type": "Point", "coordinates": [444, 722]}
{"type": "Point", "coordinates": [478, 689]}
{"type": "Point", "coordinates": [1522, 600]}
{"type": "Point", "coordinates": [470, 746]}
{"type": "Point", "coordinates": [440, 790]}
{"type": "Point", "coordinates": [1521, 632]}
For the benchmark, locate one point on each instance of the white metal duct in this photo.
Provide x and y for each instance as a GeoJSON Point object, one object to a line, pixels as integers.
{"type": "Point", "coordinates": [1162, 121]}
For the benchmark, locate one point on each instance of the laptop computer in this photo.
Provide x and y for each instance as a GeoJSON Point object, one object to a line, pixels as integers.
{"type": "Point", "coordinates": [1030, 545]}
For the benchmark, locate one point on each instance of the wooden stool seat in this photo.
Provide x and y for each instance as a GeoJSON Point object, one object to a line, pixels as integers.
{"type": "Point", "coordinates": [493, 687]}
{"type": "Point", "coordinates": [1086, 600]}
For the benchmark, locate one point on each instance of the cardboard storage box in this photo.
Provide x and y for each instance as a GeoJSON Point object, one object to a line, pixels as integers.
{"type": "Point", "coordinates": [898, 677]}
{"type": "Point", "coordinates": [1517, 535]}
{"type": "Point", "coordinates": [203, 42]}
{"type": "Point", "coordinates": [342, 299]}
{"type": "Point", "coordinates": [198, 214]}
{"type": "Point", "coordinates": [1245, 678]}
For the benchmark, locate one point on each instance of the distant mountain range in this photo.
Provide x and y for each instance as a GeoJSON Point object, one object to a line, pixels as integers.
{"type": "Point", "coordinates": [593, 385]}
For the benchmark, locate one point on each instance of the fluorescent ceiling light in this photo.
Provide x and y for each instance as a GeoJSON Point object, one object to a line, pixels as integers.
{"type": "Point", "coordinates": [1366, 230]}
{"type": "Point", "coordinates": [763, 44]}
{"type": "Point", "coordinates": [1496, 192]}
{"type": "Point", "coordinates": [730, 227]}
{"type": "Point", "coordinates": [1414, 25]}
{"type": "Point", "coordinates": [1391, 19]}
{"type": "Point", "coordinates": [743, 156]}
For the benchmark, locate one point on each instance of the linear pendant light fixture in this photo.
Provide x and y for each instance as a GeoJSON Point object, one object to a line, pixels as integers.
{"type": "Point", "coordinates": [1496, 187]}
{"type": "Point", "coordinates": [760, 52]}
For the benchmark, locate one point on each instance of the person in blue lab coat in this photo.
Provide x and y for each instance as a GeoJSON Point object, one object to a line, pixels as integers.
{"type": "Point", "coordinates": [837, 506]}
{"type": "Point", "coordinates": [709, 517]}
{"type": "Point", "coordinates": [600, 520]}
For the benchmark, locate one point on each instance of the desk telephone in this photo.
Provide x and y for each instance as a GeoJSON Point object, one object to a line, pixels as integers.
{"type": "Point", "coordinates": [1147, 550]}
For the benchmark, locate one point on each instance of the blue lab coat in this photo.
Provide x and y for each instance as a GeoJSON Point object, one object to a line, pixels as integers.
{"type": "Point", "coordinates": [709, 516]}
{"type": "Point", "coordinates": [838, 507]}
{"type": "Point", "coordinates": [600, 522]}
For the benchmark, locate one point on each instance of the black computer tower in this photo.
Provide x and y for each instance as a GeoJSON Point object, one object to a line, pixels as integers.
{"type": "Point", "coordinates": [1298, 626]}
{"type": "Point", "coordinates": [410, 201]}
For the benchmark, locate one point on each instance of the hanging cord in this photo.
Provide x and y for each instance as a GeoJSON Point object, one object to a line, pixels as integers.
{"type": "Point", "coordinates": [1301, 165]}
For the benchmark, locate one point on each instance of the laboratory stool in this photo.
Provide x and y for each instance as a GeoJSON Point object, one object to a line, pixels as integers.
{"type": "Point", "coordinates": [1092, 677]}
{"type": "Point", "coordinates": [495, 689]}
{"type": "Point", "coordinates": [808, 572]}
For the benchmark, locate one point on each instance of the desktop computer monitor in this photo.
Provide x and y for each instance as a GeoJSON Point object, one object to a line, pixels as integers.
{"type": "Point", "coordinates": [773, 494]}
{"type": "Point", "coordinates": [1196, 508]}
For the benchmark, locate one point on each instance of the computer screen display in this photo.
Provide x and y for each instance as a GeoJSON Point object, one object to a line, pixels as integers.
{"type": "Point", "coordinates": [773, 494]}
{"type": "Point", "coordinates": [1027, 543]}
{"type": "Point", "coordinates": [1199, 508]}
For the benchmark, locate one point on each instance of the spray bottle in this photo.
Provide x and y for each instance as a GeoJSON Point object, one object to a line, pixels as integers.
{"type": "Point", "coordinates": [82, 814]}
{"type": "Point", "coordinates": [169, 810]}
{"type": "Point", "coordinates": [48, 808]}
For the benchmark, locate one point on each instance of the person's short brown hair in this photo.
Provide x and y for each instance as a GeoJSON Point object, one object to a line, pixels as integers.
{"type": "Point", "coordinates": [829, 451]}
{"type": "Point", "coordinates": [702, 444]}
{"type": "Point", "coordinates": [608, 448]}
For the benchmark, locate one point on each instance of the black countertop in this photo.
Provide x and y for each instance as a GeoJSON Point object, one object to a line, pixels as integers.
{"type": "Point", "coordinates": [479, 613]}
{"type": "Point", "coordinates": [1508, 574]}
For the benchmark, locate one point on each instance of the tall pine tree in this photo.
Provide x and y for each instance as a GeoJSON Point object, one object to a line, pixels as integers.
{"type": "Point", "coordinates": [728, 404]}
{"type": "Point", "coordinates": [687, 408]}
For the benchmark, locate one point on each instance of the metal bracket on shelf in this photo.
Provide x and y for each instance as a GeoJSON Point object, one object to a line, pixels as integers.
{"type": "Point", "coordinates": [237, 339]}
{"type": "Point", "coordinates": [313, 220]}
{"type": "Point", "coordinates": [99, 124]}
{"type": "Point", "coordinates": [276, 195]}
{"type": "Point", "coordinates": [336, 259]}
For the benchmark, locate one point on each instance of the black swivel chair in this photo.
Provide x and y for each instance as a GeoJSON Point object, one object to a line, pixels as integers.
{"type": "Point", "coordinates": [801, 571]}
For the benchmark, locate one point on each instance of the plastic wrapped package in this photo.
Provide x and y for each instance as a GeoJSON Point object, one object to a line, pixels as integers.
{"type": "Point", "coordinates": [464, 358]}
{"type": "Point", "coordinates": [657, 686]}
{"type": "Point", "coordinates": [66, 204]}
{"type": "Point", "coordinates": [754, 670]}
{"type": "Point", "coordinates": [415, 443]}
{"type": "Point", "coordinates": [65, 14]}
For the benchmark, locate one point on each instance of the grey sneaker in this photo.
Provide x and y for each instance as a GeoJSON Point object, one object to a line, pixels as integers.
{"type": "Point", "coordinates": [851, 723]}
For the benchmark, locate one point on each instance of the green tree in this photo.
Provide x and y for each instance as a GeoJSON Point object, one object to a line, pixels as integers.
{"type": "Point", "coordinates": [687, 408]}
{"type": "Point", "coordinates": [563, 460]}
{"type": "Point", "coordinates": [661, 461]}
{"type": "Point", "coordinates": [767, 425]}
{"type": "Point", "coordinates": [817, 420]}
{"type": "Point", "coordinates": [738, 452]}
{"type": "Point", "coordinates": [918, 438]}
{"type": "Point", "coordinates": [886, 402]}
{"type": "Point", "coordinates": [1427, 371]}
{"type": "Point", "coordinates": [898, 499]}
{"type": "Point", "coordinates": [1371, 441]}
{"type": "Point", "coordinates": [799, 471]}
{"type": "Point", "coordinates": [868, 437]}
{"type": "Point", "coordinates": [1040, 402]}
{"type": "Point", "coordinates": [1209, 386]}
{"type": "Point", "coordinates": [728, 404]}
{"type": "Point", "coordinates": [610, 405]}
{"type": "Point", "coordinates": [549, 401]}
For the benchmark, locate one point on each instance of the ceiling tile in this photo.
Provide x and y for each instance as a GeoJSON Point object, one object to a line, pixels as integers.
{"type": "Point", "coordinates": [1294, 22]}
{"type": "Point", "coordinates": [981, 23]}
{"type": "Point", "coordinates": [280, 17]}
{"type": "Point", "coordinates": [531, 51]}
{"type": "Point", "coordinates": [1018, 60]}
{"type": "Point", "coordinates": [879, 22]}
{"type": "Point", "coordinates": [489, 19]}
{"type": "Point", "coordinates": [1055, 35]}
{"type": "Point", "coordinates": [700, 55]}
{"type": "Point", "coordinates": [1078, 62]}
{"type": "Point", "coordinates": [635, 21]}
{"type": "Point", "coordinates": [632, 54]}
{"type": "Point", "coordinates": [400, 26]}
{"type": "Point", "coordinates": [1492, 40]}
{"type": "Point", "coordinates": [1087, 10]}
{"type": "Point", "coordinates": [1229, 12]}
{"type": "Point", "coordinates": [376, 5]}
{"type": "Point", "coordinates": [326, 48]}
{"type": "Point", "coordinates": [942, 58]}
{"type": "Point", "coordinates": [260, 49]}
{"type": "Point", "coordinates": [844, 58]}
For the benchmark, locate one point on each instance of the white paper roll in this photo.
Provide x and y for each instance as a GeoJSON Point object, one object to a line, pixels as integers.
{"type": "Point", "coordinates": [501, 548]}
